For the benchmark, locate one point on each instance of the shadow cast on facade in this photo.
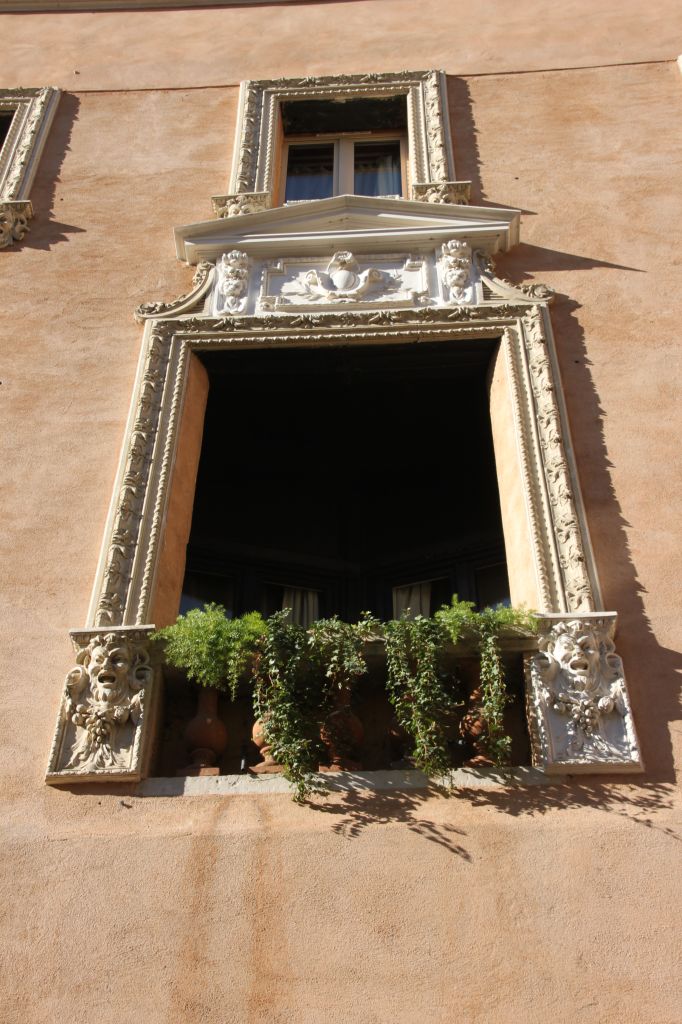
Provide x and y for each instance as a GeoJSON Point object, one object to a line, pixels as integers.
{"type": "Point", "coordinates": [45, 230]}
{"type": "Point", "coordinates": [656, 698]}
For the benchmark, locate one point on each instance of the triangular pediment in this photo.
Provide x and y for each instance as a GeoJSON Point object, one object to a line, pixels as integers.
{"type": "Point", "coordinates": [360, 223]}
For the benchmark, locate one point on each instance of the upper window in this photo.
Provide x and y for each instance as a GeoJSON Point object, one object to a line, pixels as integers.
{"type": "Point", "coordinates": [384, 134]}
{"type": "Point", "coordinates": [344, 147]}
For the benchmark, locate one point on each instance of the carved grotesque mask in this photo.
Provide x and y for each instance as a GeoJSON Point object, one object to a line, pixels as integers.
{"type": "Point", "coordinates": [579, 656]}
{"type": "Point", "coordinates": [109, 670]}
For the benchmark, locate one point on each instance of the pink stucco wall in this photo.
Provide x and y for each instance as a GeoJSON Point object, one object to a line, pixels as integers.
{"type": "Point", "coordinates": [496, 906]}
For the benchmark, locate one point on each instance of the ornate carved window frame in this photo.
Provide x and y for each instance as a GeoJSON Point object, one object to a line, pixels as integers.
{"type": "Point", "coordinates": [563, 708]}
{"type": "Point", "coordinates": [254, 184]}
{"type": "Point", "coordinates": [33, 111]}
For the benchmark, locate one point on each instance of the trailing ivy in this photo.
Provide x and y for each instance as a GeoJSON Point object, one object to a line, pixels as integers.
{"type": "Point", "coordinates": [417, 688]}
{"type": "Point", "coordinates": [485, 629]}
{"type": "Point", "coordinates": [287, 699]}
{"type": "Point", "coordinates": [297, 676]}
{"type": "Point", "coordinates": [213, 650]}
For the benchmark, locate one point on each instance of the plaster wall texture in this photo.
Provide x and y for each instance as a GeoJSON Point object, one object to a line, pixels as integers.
{"type": "Point", "coordinates": [493, 907]}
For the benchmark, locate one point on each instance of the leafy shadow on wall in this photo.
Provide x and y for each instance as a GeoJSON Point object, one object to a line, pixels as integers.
{"type": "Point", "coordinates": [360, 809]}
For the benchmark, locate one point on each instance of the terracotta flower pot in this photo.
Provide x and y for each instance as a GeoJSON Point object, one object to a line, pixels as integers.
{"type": "Point", "coordinates": [342, 734]}
{"type": "Point", "coordinates": [268, 766]}
{"type": "Point", "coordinates": [206, 735]}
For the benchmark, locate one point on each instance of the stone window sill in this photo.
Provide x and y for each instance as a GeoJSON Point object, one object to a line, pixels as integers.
{"type": "Point", "coordinates": [343, 782]}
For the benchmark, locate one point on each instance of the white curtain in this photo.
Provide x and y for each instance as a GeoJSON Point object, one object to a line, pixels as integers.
{"type": "Point", "coordinates": [415, 596]}
{"type": "Point", "coordinates": [304, 605]}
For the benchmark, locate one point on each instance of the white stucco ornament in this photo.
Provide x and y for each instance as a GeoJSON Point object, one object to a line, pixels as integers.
{"type": "Point", "coordinates": [578, 703]}
{"type": "Point", "coordinates": [233, 281]}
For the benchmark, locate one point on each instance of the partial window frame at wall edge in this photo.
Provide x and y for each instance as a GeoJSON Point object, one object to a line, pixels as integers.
{"type": "Point", "coordinates": [32, 111]}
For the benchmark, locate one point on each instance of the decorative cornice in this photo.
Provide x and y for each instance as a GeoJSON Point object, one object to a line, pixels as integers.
{"type": "Point", "coordinates": [57, 6]}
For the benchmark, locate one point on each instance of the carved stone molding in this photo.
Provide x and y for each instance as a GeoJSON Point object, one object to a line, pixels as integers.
{"type": "Point", "coordinates": [430, 148]}
{"type": "Point", "coordinates": [536, 291]}
{"type": "Point", "coordinates": [100, 733]}
{"type": "Point", "coordinates": [568, 530]}
{"type": "Point", "coordinates": [32, 112]}
{"type": "Point", "coordinates": [578, 705]}
{"type": "Point", "coordinates": [201, 282]}
{"type": "Point", "coordinates": [453, 192]}
{"type": "Point", "coordinates": [14, 218]}
{"type": "Point", "coordinates": [240, 203]}
{"type": "Point", "coordinates": [126, 577]}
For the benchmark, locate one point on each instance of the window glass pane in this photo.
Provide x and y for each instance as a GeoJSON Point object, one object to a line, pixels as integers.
{"type": "Point", "coordinates": [377, 169]}
{"type": "Point", "coordinates": [310, 172]}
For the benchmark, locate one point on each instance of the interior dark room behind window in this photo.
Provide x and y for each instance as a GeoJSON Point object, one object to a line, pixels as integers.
{"type": "Point", "coordinates": [347, 472]}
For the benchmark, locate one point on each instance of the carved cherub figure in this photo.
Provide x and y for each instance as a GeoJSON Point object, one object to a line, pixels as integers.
{"type": "Point", "coordinates": [456, 270]}
{"type": "Point", "coordinates": [233, 276]}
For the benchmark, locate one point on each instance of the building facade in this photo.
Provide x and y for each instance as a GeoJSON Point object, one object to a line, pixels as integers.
{"type": "Point", "coordinates": [230, 256]}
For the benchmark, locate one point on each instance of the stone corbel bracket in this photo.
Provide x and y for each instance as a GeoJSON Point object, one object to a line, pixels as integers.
{"type": "Point", "coordinates": [104, 719]}
{"type": "Point", "coordinates": [32, 112]}
{"type": "Point", "coordinates": [201, 285]}
{"type": "Point", "coordinates": [577, 700]}
{"type": "Point", "coordinates": [240, 203]}
{"type": "Point", "coordinates": [456, 193]}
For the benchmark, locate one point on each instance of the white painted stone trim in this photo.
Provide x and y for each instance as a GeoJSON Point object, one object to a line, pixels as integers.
{"type": "Point", "coordinates": [33, 111]}
{"type": "Point", "coordinates": [430, 155]}
{"type": "Point", "coordinates": [345, 782]}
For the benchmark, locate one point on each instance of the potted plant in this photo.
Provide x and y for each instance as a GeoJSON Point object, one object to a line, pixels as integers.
{"type": "Point", "coordinates": [214, 651]}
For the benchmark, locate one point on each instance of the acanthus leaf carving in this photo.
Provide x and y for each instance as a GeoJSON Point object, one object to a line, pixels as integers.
{"type": "Point", "coordinates": [578, 703]}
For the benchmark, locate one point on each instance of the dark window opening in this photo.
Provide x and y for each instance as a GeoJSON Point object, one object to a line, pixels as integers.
{"type": "Point", "coordinates": [337, 478]}
{"type": "Point", "coordinates": [6, 119]}
{"type": "Point", "coordinates": [306, 117]}
{"type": "Point", "coordinates": [348, 473]}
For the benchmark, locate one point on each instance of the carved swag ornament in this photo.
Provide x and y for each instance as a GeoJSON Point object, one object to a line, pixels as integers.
{"type": "Point", "coordinates": [578, 702]}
